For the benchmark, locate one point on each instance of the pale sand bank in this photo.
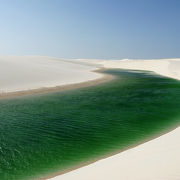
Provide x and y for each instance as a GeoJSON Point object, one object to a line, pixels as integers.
{"type": "Point", "coordinates": [158, 159]}
{"type": "Point", "coordinates": [165, 67]}
{"type": "Point", "coordinates": [33, 72]}
{"type": "Point", "coordinates": [59, 88]}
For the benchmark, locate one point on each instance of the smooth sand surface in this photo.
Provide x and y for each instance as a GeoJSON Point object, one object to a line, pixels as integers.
{"type": "Point", "coordinates": [158, 159]}
{"type": "Point", "coordinates": [34, 72]}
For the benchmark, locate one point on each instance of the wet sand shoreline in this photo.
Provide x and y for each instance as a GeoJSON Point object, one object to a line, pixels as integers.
{"type": "Point", "coordinates": [103, 79]}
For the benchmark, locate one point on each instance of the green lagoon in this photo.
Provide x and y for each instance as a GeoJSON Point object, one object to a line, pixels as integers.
{"type": "Point", "coordinates": [44, 134]}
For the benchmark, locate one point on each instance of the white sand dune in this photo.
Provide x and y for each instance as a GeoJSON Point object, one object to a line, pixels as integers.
{"type": "Point", "coordinates": [33, 72]}
{"type": "Point", "coordinates": [158, 159]}
{"type": "Point", "coordinates": [165, 67]}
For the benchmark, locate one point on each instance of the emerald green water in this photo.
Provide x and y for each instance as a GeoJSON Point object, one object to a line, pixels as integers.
{"type": "Point", "coordinates": [44, 134]}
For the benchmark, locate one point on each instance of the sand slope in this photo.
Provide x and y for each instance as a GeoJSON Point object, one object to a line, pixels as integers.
{"type": "Point", "coordinates": [158, 159]}
{"type": "Point", "coordinates": [33, 72]}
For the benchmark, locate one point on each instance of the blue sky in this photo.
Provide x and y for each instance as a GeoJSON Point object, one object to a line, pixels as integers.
{"type": "Point", "coordinates": [110, 29]}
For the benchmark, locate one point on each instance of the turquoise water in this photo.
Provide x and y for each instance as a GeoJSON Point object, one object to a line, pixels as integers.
{"type": "Point", "coordinates": [44, 134]}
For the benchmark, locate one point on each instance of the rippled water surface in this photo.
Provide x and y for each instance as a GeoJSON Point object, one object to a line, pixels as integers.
{"type": "Point", "coordinates": [44, 134]}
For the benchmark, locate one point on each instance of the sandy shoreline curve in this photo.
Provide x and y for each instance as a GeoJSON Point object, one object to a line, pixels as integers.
{"type": "Point", "coordinates": [154, 159]}
{"type": "Point", "coordinates": [103, 79]}
{"type": "Point", "coordinates": [58, 176]}
{"type": "Point", "coordinates": [26, 73]}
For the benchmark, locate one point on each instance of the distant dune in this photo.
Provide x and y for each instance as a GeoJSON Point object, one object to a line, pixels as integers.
{"type": "Point", "coordinates": [165, 67]}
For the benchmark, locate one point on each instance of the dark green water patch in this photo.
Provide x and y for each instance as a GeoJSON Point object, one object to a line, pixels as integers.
{"type": "Point", "coordinates": [48, 133]}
